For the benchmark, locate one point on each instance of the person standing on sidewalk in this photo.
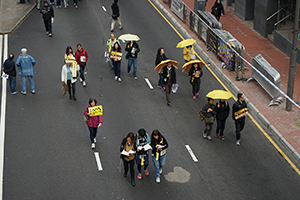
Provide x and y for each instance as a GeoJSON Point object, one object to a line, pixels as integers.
{"type": "Point", "coordinates": [159, 145]}
{"type": "Point", "coordinates": [209, 110]}
{"type": "Point", "coordinates": [160, 56]}
{"type": "Point", "coordinates": [48, 13]}
{"type": "Point", "coordinates": [115, 16]}
{"type": "Point", "coordinates": [81, 57]}
{"type": "Point", "coordinates": [132, 49]}
{"type": "Point", "coordinates": [222, 109]}
{"type": "Point", "coordinates": [25, 64]}
{"type": "Point", "coordinates": [217, 10]}
{"type": "Point", "coordinates": [109, 44]}
{"type": "Point", "coordinates": [169, 79]}
{"type": "Point", "coordinates": [128, 160]}
{"type": "Point", "coordinates": [239, 112]}
{"type": "Point", "coordinates": [9, 69]}
{"type": "Point", "coordinates": [93, 123]}
{"type": "Point", "coordinates": [195, 74]}
{"type": "Point", "coordinates": [142, 157]}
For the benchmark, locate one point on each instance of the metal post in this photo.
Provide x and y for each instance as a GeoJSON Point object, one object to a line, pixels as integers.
{"type": "Point", "coordinates": [293, 59]}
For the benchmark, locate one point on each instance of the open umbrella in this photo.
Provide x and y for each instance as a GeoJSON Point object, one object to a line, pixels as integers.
{"type": "Point", "coordinates": [129, 37]}
{"type": "Point", "coordinates": [187, 66]}
{"type": "Point", "coordinates": [186, 42]}
{"type": "Point", "coordinates": [162, 64]}
{"type": "Point", "coordinates": [219, 94]}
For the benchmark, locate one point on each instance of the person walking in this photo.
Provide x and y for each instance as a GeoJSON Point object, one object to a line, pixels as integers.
{"type": "Point", "coordinates": [189, 53]}
{"type": "Point", "coordinates": [209, 110]}
{"type": "Point", "coordinates": [195, 79]}
{"type": "Point", "coordinates": [66, 3]}
{"type": "Point", "coordinates": [132, 49]}
{"type": "Point", "coordinates": [222, 110]}
{"type": "Point", "coordinates": [81, 57]}
{"type": "Point", "coordinates": [48, 15]}
{"type": "Point", "coordinates": [160, 56]}
{"type": "Point", "coordinates": [38, 4]}
{"type": "Point", "coordinates": [93, 123]}
{"type": "Point", "coordinates": [239, 112]}
{"type": "Point", "coordinates": [9, 69]}
{"type": "Point", "coordinates": [128, 146]}
{"type": "Point", "coordinates": [58, 3]}
{"type": "Point", "coordinates": [115, 16]}
{"type": "Point", "coordinates": [217, 10]}
{"type": "Point", "coordinates": [116, 56]}
{"type": "Point", "coordinates": [159, 145]}
{"type": "Point", "coordinates": [169, 79]}
{"type": "Point", "coordinates": [69, 55]}
{"type": "Point", "coordinates": [142, 157]}
{"type": "Point", "coordinates": [109, 44]}
{"type": "Point", "coordinates": [25, 64]}
{"type": "Point", "coordinates": [69, 74]}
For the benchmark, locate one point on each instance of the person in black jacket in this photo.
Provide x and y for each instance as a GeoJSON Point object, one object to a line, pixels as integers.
{"type": "Point", "coordinates": [48, 13]}
{"type": "Point", "coordinates": [132, 49]}
{"type": "Point", "coordinates": [239, 112]}
{"type": "Point", "coordinates": [217, 10]}
{"type": "Point", "coordinates": [9, 69]}
{"type": "Point", "coordinates": [159, 145]}
{"type": "Point", "coordinates": [160, 56]}
{"type": "Point", "coordinates": [115, 16]}
{"type": "Point", "coordinates": [195, 74]}
{"type": "Point", "coordinates": [209, 110]}
{"type": "Point", "coordinates": [128, 145]}
{"type": "Point", "coordinates": [222, 109]}
{"type": "Point", "coordinates": [169, 79]}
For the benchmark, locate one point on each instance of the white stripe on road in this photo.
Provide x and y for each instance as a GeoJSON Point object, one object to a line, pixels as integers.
{"type": "Point", "coordinates": [149, 84]}
{"type": "Point", "coordinates": [98, 161]}
{"type": "Point", "coordinates": [3, 112]}
{"type": "Point", "coordinates": [191, 153]}
{"type": "Point", "coordinates": [104, 8]}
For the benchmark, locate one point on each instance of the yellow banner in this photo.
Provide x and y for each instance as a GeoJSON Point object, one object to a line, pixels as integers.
{"type": "Point", "coordinates": [95, 111]}
{"type": "Point", "coordinates": [116, 54]}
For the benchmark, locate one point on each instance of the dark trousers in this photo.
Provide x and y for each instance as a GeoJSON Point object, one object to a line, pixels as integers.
{"type": "Point", "coordinates": [220, 126]}
{"type": "Point", "coordinates": [239, 126]}
{"type": "Point", "coordinates": [93, 133]}
{"type": "Point", "coordinates": [168, 86]}
{"type": "Point", "coordinates": [208, 128]}
{"type": "Point", "coordinates": [196, 88]}
{"type": "Point", "coordinates": [131, 164]}
{"type": "Point", "coordinates": [71, 87]}
{"type": "Point", "coordinates": [82, 67]}
{"type": "Point", "coordinates": [48, 25]}
{"type": "Point", "coordinates": [117, 68]}
{"type": "Point", "coordinates": [160, 81]}
{"type": "Point", "coordinates": [139, 162]}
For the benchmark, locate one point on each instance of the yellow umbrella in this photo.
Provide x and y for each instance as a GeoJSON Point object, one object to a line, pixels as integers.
{"type": "Point", "coordinates": [186, 42]}
{"type": "Point", "coordinates": [129, 37]}
{"type": "Point", "coordinates": [187, 66]}
{"type": "Point", "coordinates": [162, 64]}
{"type": "Point", "coordinates": [219, 94]}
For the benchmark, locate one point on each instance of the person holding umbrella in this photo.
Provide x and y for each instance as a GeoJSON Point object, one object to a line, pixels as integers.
{"type": "Point", "coordinates": [188, 49]}
{"type": "Point", "coordinates": [160, 56]}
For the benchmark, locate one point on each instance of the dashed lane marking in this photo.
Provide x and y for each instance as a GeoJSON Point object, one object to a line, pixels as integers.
{"type": "Point", "coordinates": [98, 161]}
{"type": "Point", "coordinates": [104, 8]}
{"type": "Point", "coordinates": [191, 153]}
{"type": "Point", "coordinates": [149, 84]}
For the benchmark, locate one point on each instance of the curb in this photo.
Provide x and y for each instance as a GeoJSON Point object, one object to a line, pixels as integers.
{"type": "Point", "coordinates": [20, 21]}
{"type": "Point", "coordinates": [252, 109]}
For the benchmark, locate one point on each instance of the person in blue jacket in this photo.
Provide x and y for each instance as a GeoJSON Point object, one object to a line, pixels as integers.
{"type": "Point", "coordinates": [25, 64]}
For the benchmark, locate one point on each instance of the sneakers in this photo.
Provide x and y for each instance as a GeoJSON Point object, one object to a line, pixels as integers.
{"type": "Point", "coordinates": [217, 135]}
{"type": "Point", "coordinates": [23, 92]}
{"type": "Point", "coordinates": [139, 176]}
{"type": "Point", "coordinates": [132, 183]}
{"type": "Point", "coordinates": [163, 88]}
{"type": "Point", "coordinates": [47, 33]}
{"type": "Point", "coordinates": [146, 172]}
{"type": "Point", "coordinates": [159, 86]}
{"type": "Point", "coordinates": [238, 143]}
{"type": "Point", "coordinates": [157, 179]}
{"type": "Point", "coordinates": [80, 80]}
{"type": "Point", "coordinates": [194, 97]}
{"type": "Point", "coordinates": [160, 170]}
{"type": "Point", "coordinates": [93, 146]}
{"type": "Point", "coordinates": [33, 91]}
{"type": "Point", "coordinates": [50, 34]}
{"type": "Point", "coordinates": [83, 83]}
{"type": "Point", "coordinates": [74, 98]}
{"type": "Point", "coordinates": [95, 141]}
{"type": "Point", "coordinates": [209, 138]}
{"type": "Point", "coordinates": [15, 92]}
{"type": "Point", "coordinates": [121, 27]}
{"type": "Point", "coordinates": [197, 94]}
{"type": "Point", "coordinates": [169, 103]}
{"type": "Point", "coordinates": [204, 135]}
{"type": "Point", "coordinates": [119, 79]}
{"type": "Point", "coordinates": [222, 138]}
{"type": "Point", "coordinates": [135, 77]}
{"type": "Point", "coordinates": [116, 78]}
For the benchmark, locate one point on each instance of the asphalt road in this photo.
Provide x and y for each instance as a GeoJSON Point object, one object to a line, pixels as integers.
{"type": "Point", "coordinates": [47, 147]}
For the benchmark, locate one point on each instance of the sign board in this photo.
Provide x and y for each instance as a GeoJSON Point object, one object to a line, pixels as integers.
{"type": "Point", "coordinates": [177, 8]}
{"type": "Point", "coordinates": [95, 111]}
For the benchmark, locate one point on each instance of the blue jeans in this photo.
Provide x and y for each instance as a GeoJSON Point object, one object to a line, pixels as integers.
{"type": "Point", "coordinates": [93, 133]}
{"type": "Point", "coordinates": [75, 2]}
{"type": "Point", "coordinates": [58, 2]}
{"type": "Point", "coordinates": [160, 81]}
{"type": "Point", "coordinates": [130, 62]}
{"type": "Point", "coordinates": [139, 162]}
{"type": "Point", "coordinates": [31, 82]}
{"type": "Point", "coordinates": [158, 163]}
{"type": "Point", "coordinates": [117, 68]}
{"type": "Point", "coordinates": [82, 67]}
{"type": "Point", "coordinates": [12, 83]}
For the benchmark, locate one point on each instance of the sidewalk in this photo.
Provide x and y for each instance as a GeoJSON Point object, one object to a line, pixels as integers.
{"type": "Point", "coordinates": [286, 123]}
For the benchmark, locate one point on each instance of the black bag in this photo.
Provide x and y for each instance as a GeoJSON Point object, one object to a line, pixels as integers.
{"type": "Point", "coordinates": [214, 12]}
{"type": "Point", "coordinates": [114, 16]}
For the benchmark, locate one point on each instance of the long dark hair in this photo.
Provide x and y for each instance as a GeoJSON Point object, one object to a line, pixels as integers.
{"type": "Point", "coordinates": [156, 132]}
{"type": "Point", "coordinates": [158, 51]}
{"type": "Point", "coordinates": [119, 47]}
{"type": "Point", "coordinates": [68, 49]}
{"type": "Point", "coordinates": [131, 136]}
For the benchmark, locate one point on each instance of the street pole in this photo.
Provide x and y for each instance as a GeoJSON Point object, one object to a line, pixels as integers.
{"type": "Point", "coordinates": [293, 59]}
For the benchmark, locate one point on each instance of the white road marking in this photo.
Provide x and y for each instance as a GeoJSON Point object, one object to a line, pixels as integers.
{"type": "Point", "coordinates": [104, 8]}
{"type": "Point", "coordinates": [3, 112]}
{"type": "Point", "coordinates": [149, 84]}
{"type": "Point", "coordinates": [98, 161]}
{"type": "Point", "coordinates": [191, 153]}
